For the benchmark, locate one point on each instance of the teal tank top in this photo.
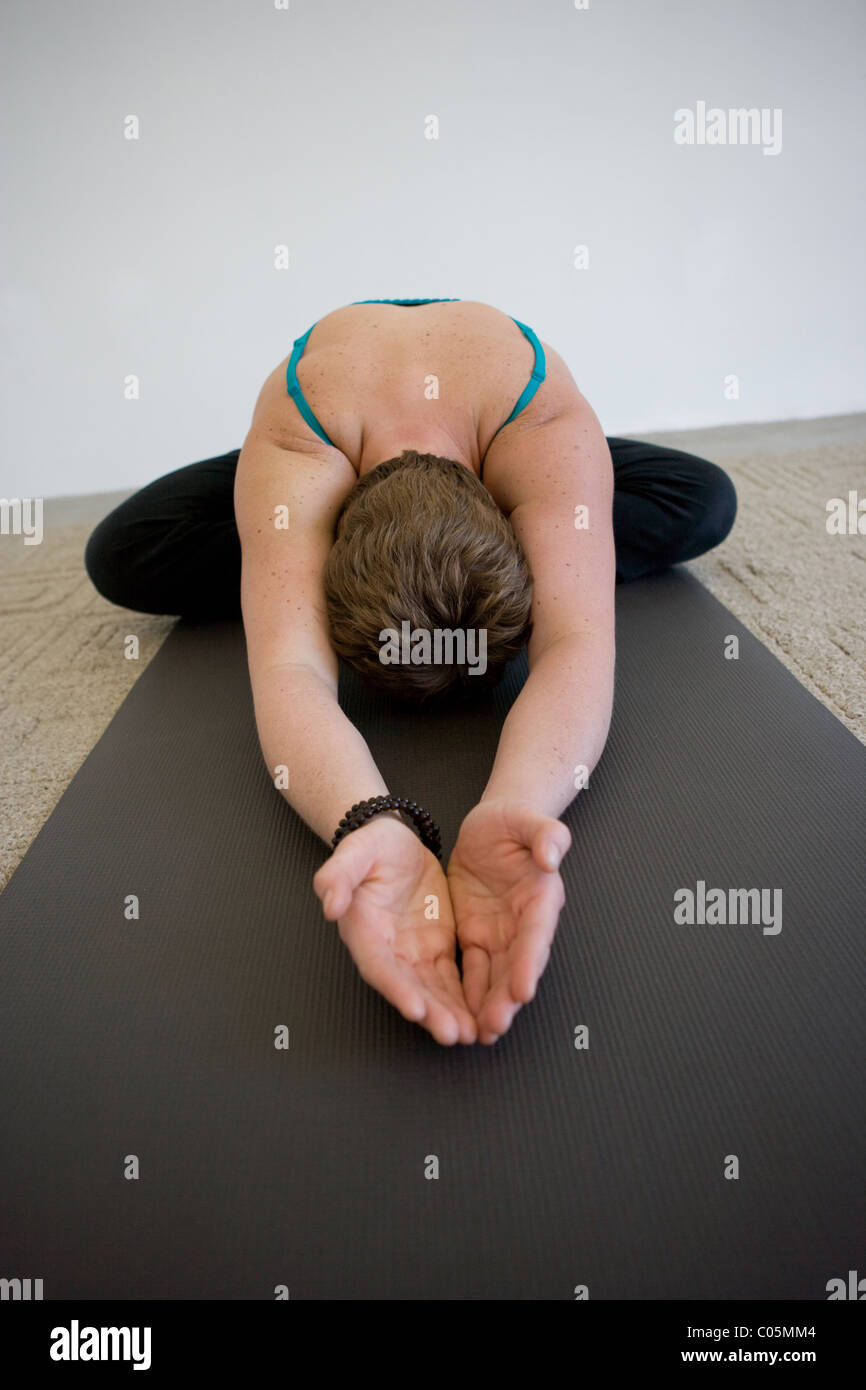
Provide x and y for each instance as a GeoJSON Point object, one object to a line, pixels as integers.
{"type": "Point", "coordinates": [293, 386]}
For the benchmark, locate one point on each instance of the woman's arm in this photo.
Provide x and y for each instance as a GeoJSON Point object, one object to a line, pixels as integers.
{"type": "Point", "coordinates": [556, 478]}
{"type": "Point", "coordinates": [383, 888]}
{"type": "Point", "coordinates": [546, 472]}
{"type": "Point", "coordinates": [286, 504]}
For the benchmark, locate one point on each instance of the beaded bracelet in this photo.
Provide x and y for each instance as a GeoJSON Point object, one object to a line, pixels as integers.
{"type": "Point", "coordinates": [364, 811]}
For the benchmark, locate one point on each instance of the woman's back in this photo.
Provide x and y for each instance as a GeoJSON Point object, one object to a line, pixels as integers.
{"type": "Point", "coordinates": [380, 376]}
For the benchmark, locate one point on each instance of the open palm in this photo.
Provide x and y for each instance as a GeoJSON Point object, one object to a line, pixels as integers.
{"type": "Point", "coordinates": [390, 899]}
{"type": "Point", "coordinates": [506, 895]}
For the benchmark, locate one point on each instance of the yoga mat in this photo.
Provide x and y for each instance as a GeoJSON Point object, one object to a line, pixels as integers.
{"type": "Point", "coordinates": [560, 1168]}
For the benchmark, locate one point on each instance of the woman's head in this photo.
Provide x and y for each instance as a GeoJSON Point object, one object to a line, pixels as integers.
{"type": "Point", "coordinates": [427, 588]}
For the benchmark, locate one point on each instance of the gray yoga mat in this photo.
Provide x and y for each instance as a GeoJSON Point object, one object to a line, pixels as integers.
{"type": "Point", "coordinates": [602, 1166]}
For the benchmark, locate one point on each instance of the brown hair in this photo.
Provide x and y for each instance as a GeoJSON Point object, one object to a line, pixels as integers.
{"type": "Point", "coordinates": [419, 539]}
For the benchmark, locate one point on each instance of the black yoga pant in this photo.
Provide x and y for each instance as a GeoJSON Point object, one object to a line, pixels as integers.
{"type": "Point", "coordinates": [173, 547]}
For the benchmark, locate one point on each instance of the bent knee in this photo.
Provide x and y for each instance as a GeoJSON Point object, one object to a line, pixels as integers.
{"type": "Point", "coordinates": [107, 572]}
{"type": "Point", "coordinates": [714, 510]}
{"type": "Point", "coordinates": [720, 504]}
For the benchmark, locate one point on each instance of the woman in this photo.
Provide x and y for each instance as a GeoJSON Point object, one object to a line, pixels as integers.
{"type": "Point", "coordinates": [417, 468]}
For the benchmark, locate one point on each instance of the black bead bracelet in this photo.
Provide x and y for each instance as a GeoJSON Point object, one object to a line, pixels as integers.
{"type": "Point", "coordinates": [364, 811]}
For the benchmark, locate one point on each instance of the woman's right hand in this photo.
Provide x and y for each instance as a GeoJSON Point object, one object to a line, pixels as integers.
{"type": "Point", "coordinates": [390, 899]}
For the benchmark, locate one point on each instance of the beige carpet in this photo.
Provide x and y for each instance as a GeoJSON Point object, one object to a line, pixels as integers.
{"type": "Point", "coordinates": [63, 673]}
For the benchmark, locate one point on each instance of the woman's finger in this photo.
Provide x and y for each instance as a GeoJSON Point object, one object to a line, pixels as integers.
{"type": "Point", "coordinates": [383, 972]}
{"type": "Point", "coordinates": [550, 843]}
{"type": "Point", "coordinates": [446, 984]}
{"type": "Point", "coordinates": [497, 1012]}
{"type": "Point", "coordinates": [531, 954]}
{"type": "Point", "coordinates": [476, 977]}
{"type": "Point", "coordinates": [335, 882]}
{"type": "Point", "coordinates": [439, 1021]}
{"type": "Point", "coordinates": [415, 998]}
{"type": "Point", "coordinates": [547, 838]}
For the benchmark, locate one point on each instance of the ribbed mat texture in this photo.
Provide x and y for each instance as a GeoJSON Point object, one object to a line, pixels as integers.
{"type": "Point", "coordinates": [601, 1166]}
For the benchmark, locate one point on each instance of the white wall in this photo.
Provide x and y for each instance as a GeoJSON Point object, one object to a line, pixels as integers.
{"type": "Point", "coordinates": [260, 126]}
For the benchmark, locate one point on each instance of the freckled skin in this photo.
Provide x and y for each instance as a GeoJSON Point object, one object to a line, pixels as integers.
{"type": "Point", "coordinates": [365, 370]}
{"type": "Point", "coordinates": [364, 374]}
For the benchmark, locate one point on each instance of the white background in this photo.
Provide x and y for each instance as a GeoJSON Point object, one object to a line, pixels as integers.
{"type": "Point", "coordinates": [262, 127]}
